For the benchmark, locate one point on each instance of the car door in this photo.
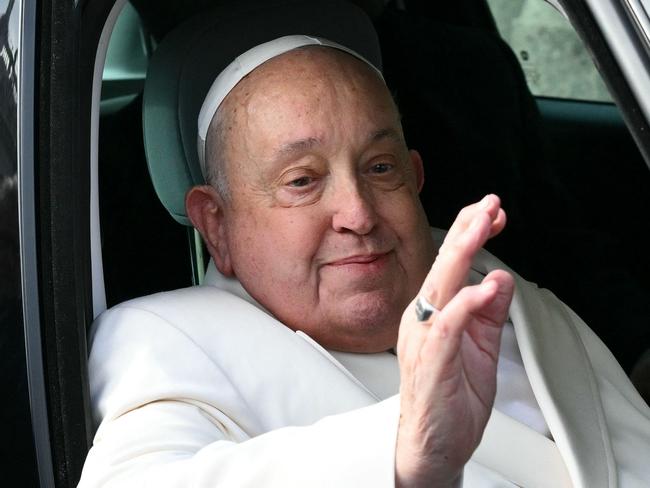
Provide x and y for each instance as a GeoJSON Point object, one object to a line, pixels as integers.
{"type": "Point", "coordinates": [52, 60]}
{"type": "Point", "coordinates": [47, 87]}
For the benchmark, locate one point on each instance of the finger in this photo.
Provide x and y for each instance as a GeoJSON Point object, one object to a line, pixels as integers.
{"type": "Point", "coordinates": [480, 310]}
{"type": "Point", "coordinates": [486, 332]}
{"type": "Point", "coordinates": [497, 310]}
{"type": "Point", "coordinates": [449, 271]}
{"type": "Point", "coordinates": [474, 225]}
{"type": "Point", "coordinates": [490, 204]}
{"type": "Point", "coordinates": [490, 317]}
{"type": "Point", "coordinates": [499, 223]}
{"type": "Point", "coordinates": [472, 321]}
{"type": "Point", "coordinates": [449, 324]}
{"type": "Point", "coordinates": [438, 363]}
{"type": "Point", "coordinates": [412, 332]}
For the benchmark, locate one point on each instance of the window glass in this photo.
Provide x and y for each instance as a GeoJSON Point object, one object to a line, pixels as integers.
{"type": "Point", "coordinates": [17, 458]}
{"type": "Point", "coordinates": [554, 60]}
{"type": "Point", "coordinates": [126, 61]}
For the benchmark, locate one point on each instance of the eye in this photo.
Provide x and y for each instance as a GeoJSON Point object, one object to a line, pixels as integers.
{"type": "Point", "coordinates": [381, 168]}
{"type": "Point", "coordinates": [300, 182]}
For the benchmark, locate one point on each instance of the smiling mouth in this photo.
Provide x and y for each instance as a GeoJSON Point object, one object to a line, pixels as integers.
{"type": "Point", "coordinates": [359, 259]}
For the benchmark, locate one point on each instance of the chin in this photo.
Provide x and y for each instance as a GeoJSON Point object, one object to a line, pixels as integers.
{"type": "Point", "coordinates": [365, 325]}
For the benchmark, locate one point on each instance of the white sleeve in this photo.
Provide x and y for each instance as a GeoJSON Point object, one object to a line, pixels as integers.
{"type": "Point", "coordinates": [175, 444]}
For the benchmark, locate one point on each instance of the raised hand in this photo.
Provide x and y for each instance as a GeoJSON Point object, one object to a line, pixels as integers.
{"type": "Point", "coordinates": [448, 363]}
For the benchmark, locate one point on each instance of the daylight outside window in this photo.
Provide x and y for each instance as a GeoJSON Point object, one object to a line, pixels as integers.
{"type": "Point", "coordinates": [553, 57]}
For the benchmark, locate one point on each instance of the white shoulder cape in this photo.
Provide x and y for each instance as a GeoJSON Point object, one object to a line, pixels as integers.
{"type": "Point", "coordinates": [201, 387]}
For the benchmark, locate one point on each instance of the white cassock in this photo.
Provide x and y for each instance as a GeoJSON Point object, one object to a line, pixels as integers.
{"type": "Point", "coordinates": [201, 387]}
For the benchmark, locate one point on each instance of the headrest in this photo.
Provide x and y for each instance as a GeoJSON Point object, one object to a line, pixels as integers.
{"type": "Point", "coordinates": [189, 59]}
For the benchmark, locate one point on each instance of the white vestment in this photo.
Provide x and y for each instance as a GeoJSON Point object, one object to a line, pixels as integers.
{"type": "Point", "coordinates": [202, 387]}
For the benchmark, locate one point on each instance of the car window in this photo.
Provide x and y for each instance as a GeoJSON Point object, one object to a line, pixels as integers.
{"type": "Point", "coordinates": [554, 59]}
{"type": "Point", "coordinates": [126, 61]}
{"type": "Point", "coordinates": [17, 459]}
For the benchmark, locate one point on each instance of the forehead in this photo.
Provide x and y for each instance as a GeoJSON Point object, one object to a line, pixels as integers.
{"type": "Point", "coordinates": [309, 90]}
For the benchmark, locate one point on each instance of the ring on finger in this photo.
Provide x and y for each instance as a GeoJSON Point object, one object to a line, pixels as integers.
{"type": "Point", "coordinates": [423, 309]}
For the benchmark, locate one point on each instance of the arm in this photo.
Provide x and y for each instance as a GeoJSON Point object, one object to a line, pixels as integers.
{"type": "Point", "coordinates": [178, 444]}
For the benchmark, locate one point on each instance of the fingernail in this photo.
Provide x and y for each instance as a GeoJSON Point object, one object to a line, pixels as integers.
{"type": "Point", "coordinates": [485, 203]}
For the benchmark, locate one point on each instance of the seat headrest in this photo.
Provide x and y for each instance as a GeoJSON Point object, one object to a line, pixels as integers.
{"type": "Point", "coordinates": [189, 59]}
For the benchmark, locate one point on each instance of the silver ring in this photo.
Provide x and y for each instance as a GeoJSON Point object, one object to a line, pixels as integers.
{"type": "Point", "coordinates": [423, 309]}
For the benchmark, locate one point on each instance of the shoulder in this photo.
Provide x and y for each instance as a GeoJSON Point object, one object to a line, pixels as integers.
{"type": "Point", "coordinates": [200, 317]}
{"type": "Point", "coordinates": [176, 344]}
{"type": "Point", "coordinates": [191, 311]}
{"type": "Point", "coordinates": [171, 304]}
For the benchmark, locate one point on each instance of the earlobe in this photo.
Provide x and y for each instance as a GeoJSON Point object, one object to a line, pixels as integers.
{"type": "Point", "coordinates": [205, 209]}
{"type": "Point", "coordinates": [418, 168]}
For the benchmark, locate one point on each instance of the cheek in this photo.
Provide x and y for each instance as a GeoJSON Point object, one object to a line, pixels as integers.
{"type": "Point", "coordinates": [404, 215]}
{"type": "Point", "coordinates": [277, 245]}
{"type": "Point", "coordinates": [402, 210]}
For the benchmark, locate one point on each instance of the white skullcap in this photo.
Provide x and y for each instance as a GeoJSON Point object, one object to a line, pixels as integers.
{"type": "Point", "coordinates": [244, 64]}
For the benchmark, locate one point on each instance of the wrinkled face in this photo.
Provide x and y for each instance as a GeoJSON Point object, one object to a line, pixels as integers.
{"type": "Point", "coordinates": [324, 226]}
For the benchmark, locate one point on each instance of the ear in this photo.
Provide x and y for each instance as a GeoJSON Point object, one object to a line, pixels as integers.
{"type": "Point", "coordinates": [205, 209]}
{"type": "Point", "coordinates": [418, 168]}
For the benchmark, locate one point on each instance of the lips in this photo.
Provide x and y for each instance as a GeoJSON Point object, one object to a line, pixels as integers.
{"type": "Point", "coordinates": [358, 259]}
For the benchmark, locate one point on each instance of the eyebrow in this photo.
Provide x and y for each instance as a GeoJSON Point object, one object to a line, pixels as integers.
{"type": "Point", "coordinates": [300, 145]}
{"type": "Point", "coordinates": [388, 133]}
{"type": "Point", "coordinates": [303, 145]}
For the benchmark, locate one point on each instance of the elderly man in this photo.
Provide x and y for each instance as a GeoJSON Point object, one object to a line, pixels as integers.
{"type": "Point", "coordinates": [329, 347]}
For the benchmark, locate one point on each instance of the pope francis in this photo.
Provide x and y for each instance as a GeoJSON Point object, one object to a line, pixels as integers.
{"type": "Point", "coordinates": [338, 341]}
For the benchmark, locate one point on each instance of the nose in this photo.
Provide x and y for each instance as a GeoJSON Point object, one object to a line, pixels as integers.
{"type": "Point", "coordinates": [353, 208]}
